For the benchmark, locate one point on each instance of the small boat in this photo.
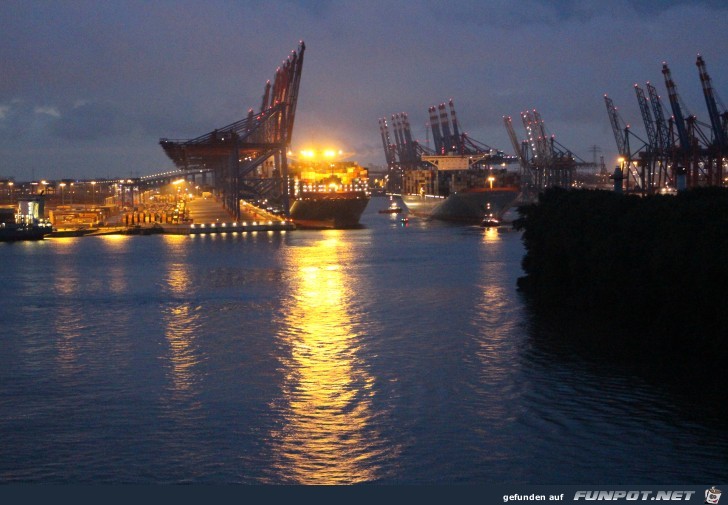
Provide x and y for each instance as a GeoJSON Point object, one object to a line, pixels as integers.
{"type": "Point", "coordinates": [392, 209]}
{"type": "Point", "coordinates": [490, 221]}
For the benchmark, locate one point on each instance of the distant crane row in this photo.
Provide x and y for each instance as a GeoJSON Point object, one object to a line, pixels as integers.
{"type": "Point", "coordinates": [403, 153]}
{"type": "Point", "coordinates": [544, 162]}
{"type": "Point", "coordinates": [679, 153]}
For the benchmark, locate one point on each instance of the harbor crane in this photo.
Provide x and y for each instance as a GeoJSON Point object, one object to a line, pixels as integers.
{"type": "Point", "coordinates": [451, 145]}
{"type": "Point", "coordinates": [544, 162]}
{"type": "Point", "coordinates": [681, 152]}
{"type": "Point", "coordinates": [236, 152]}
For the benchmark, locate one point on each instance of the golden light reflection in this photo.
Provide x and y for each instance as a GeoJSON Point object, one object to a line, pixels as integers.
{"type": "Point", "coordinates": [67, 331]}
{"type": "Point", "coordinates": [490, 234]}
{"type": "Point", "coordinates": [181, 328]}
{"type": "Point", "coordinates": [494, 326]}
{"type": "Point", "coordinates": [66, 277]}
{"type": "Point", "coordinates": [117, 280]}
{"type": "Point", "coordinates": [327, 435]}
{"type": "Point", "coordinates": [182, 325]}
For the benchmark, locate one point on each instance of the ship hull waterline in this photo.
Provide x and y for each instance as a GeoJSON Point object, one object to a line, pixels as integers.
{"type": "Point", "coordinates": [328, 212]}
{"type": "Point", "coordinates": [464, 207]}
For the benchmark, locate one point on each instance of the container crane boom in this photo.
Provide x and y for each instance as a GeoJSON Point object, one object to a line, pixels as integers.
{"type": "Point", "coordinates": [409, 144]}
{"type": "Point", "coordinates": [661, 129]}
{"type": "Point", "coordinates": [456, 130]}
{"type": "Point", "coordinates": [444, 125]}
{"type": "Point", "coordinates": [719, 134]}
{"type": "Point", "coordinates": [435, 126]}
{"type": "Point", "coordinates": [514, 142]}
{"type": "Point", "coordinates": [647, 118]}
{"type": "Point", "coordinates": [544, 144]}
{"type": "Point", "coordinates": [386, 142]}
{"type": "Point", "coordinates": [677, 112]}
{"type": "Point", "coordinates": [618, 127]}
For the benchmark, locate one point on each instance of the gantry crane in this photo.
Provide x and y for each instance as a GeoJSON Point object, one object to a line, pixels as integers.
{"type": "Point", "coordinates": [235, 151]}
{"type": "Point", "coordinates": [451, 145]}
{"type": "Point", "coordinates": [544, 161]}
{"type": "Point", "coordinates": [681, 152]}
{"type": "Point", "coordinates": [629, 156]}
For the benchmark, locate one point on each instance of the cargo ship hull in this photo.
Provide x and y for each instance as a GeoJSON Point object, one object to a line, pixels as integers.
{"type": "Point", "coordinates": [10, 232]}
{"type": "Point", "coordinates": [465, 207]}
{"type": "Point", "coordinates": [329, 210]}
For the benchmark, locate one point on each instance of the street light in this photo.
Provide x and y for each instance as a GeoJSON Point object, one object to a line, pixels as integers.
{"type": "Point", "coordinates": [93, 192]}
{"type": "Point", "coordinates": [62, 185]}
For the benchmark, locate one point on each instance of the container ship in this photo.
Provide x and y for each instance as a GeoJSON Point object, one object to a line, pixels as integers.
{"type": "Point", "coordinates": [465, 195]}
{"type": "Point", "coordinates": [328, 194]}
{"type": "Point", "coordinates": [461, 180]}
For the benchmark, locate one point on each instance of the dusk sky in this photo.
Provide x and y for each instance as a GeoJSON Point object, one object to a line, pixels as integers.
{"type": "Point", "coordinates": [88, 88]}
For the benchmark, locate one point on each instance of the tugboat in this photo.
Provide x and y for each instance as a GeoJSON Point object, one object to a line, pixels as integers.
{"type": "Point", "coordinates": [392, 209]}
{"type": "Point", "coordinates": [26, 222]}
{"type": "Point", "coordinates": [490, 220]}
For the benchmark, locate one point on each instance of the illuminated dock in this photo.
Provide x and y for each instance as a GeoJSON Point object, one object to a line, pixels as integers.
{"type": "Point", "coordinates": [207, 215]}
{"type": "Point", "coordinates": [245, 226]}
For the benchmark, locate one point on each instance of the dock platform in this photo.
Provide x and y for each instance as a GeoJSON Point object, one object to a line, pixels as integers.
{"type": "Point", "coordinates": [207, 215]}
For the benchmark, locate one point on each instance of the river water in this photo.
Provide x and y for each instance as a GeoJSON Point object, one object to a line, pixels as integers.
{"type": "Point", "coordinates": [388, 354]}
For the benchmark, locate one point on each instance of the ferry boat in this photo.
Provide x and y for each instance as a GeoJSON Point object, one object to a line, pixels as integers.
{"type": "Point", "coordinates": [26, 222]}
{"type": "Point", "coordinates": [328, 194]}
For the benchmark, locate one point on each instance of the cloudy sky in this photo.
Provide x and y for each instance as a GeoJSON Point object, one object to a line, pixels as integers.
{"type": "Point", "coordinates": [88, 88]}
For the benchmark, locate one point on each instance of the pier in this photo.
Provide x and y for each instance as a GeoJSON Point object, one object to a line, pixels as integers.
{"type": "Point", "coordinates": [199, 215]}
{"type": "Point", "coordinates": [207, 215]}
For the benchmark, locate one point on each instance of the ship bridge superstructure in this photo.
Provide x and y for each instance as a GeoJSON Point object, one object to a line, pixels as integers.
{"type": "Point", "coordinates": [240, 154]}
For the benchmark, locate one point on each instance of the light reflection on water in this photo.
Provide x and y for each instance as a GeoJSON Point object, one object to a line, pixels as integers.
{"type": "Point", "coordinates": [387, 354]}
{"type": "Point", "coordinates": [326, 435]}
{"type": "Point", "coordinates": [494, 350]}
{"type": "Point", "coordinates": [181, 325]}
